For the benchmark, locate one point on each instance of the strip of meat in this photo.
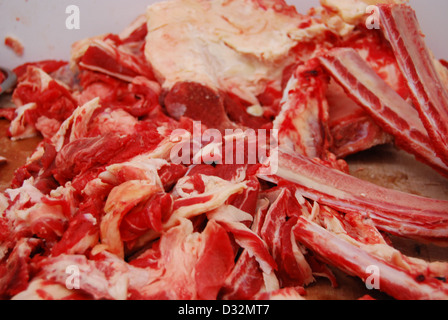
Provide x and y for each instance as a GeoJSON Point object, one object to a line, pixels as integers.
{"type": "Point", "coordinates": [247, 278]}
{"type": "Point", "coordinates": [401, 27]}
{"type": "Point", "coordinates": [228, 217]}
{"type": "Point", "coordinates": [181, 270]}
{"type": "Point", "coordinates": [146, 216]}
{"type": "Point", "coordinates": [192, 203]}
{"type": "Point", "coordinates": [354, 260]}
{"type": "Point", "coordinates": [135, 32]}
{"type": "Point", "coordinates": [15, 45]}
{"type": "Point", "coordinates": [382, 103]}
{"type": "Point", "coordinates": [215, 254]}
{"type": "Point", "coordinates": [15, 272]}
{"type": "Point", "coordinates": [51, 99]}
{"type": "Point", "coordinates": [120, 201]}
{"type": "Point", "coordinates": [396, 212]}
{"type": "Point", "coordinates": [19, 127]}
{"type": "Point", "coordinates": [293, 269]}
{"type": "Point", "coordinates": [48, 66]}
{"type": "Point", "coordinates": [104, 57]}
{"type": "Point", "coordinates": [81, 234]}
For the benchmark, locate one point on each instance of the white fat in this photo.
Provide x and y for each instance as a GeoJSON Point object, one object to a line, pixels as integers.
{"type": "Point", "coordinates": [91, 218]}
{"type": "Point", "coordinates": [234, 46]}
{"type": "Point", "coordinates": [81, 118]}
{"type": "Point", "coordinates": [147, 167]}
{"type": "Point", "coordinates": [255, 110]}
{"type": "Point", "coordinates": [300, 199]}
{"type": "Point", "coordinates": [270, 282]}
{"type": "Point", "coordinates": [18, 128]}
{"type": "Point", "coordinates": [354, 11]}
{"type": "Point", "coordinates": [39, 286]}
{"type": "Point", "coordinates": [27, 192]}
{"type": "Point", "coordinates": [298, 253]}
{"type": "Point", "coordinates": [230, 213]}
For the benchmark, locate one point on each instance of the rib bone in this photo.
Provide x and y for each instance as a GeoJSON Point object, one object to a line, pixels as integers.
{"type": "Point", "coordinates": [401, 27]}
{"type": "Point", "coordinates": [383, 104]}
{"type": "Point", "coordinates": [392, 211]}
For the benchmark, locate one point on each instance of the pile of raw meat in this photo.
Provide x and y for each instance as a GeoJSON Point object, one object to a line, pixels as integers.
{"type": "Point", "coordinates": [132, 195]}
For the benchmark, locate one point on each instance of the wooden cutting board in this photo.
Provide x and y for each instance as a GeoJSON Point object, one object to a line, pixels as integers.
{"type": "Point", "coordinates": [16, 153]}
{"type": "Point", "coordinates": [384, 165]}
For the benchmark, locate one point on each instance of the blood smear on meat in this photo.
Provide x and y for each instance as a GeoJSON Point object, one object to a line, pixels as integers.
{"type": "Point", "coordinates": [15, 45]}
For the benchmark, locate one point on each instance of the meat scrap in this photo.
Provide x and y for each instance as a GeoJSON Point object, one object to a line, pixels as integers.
{"type": "Point", "coordinates": [15, 45]}
{"type": "Point", "coordinates": [200, 154]}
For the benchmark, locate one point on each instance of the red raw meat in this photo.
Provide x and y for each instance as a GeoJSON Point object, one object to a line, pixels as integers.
{"type": "Point", "coordinates": [198, 102]}
{"type": "Point", "coordinates": [48, 66]}
{"type": "Point", "coordinates": [106, 195]}
{"type": "Point", "coordinates": [15, 272]}
{"type": "Point", "coordinates": [102, 57]}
